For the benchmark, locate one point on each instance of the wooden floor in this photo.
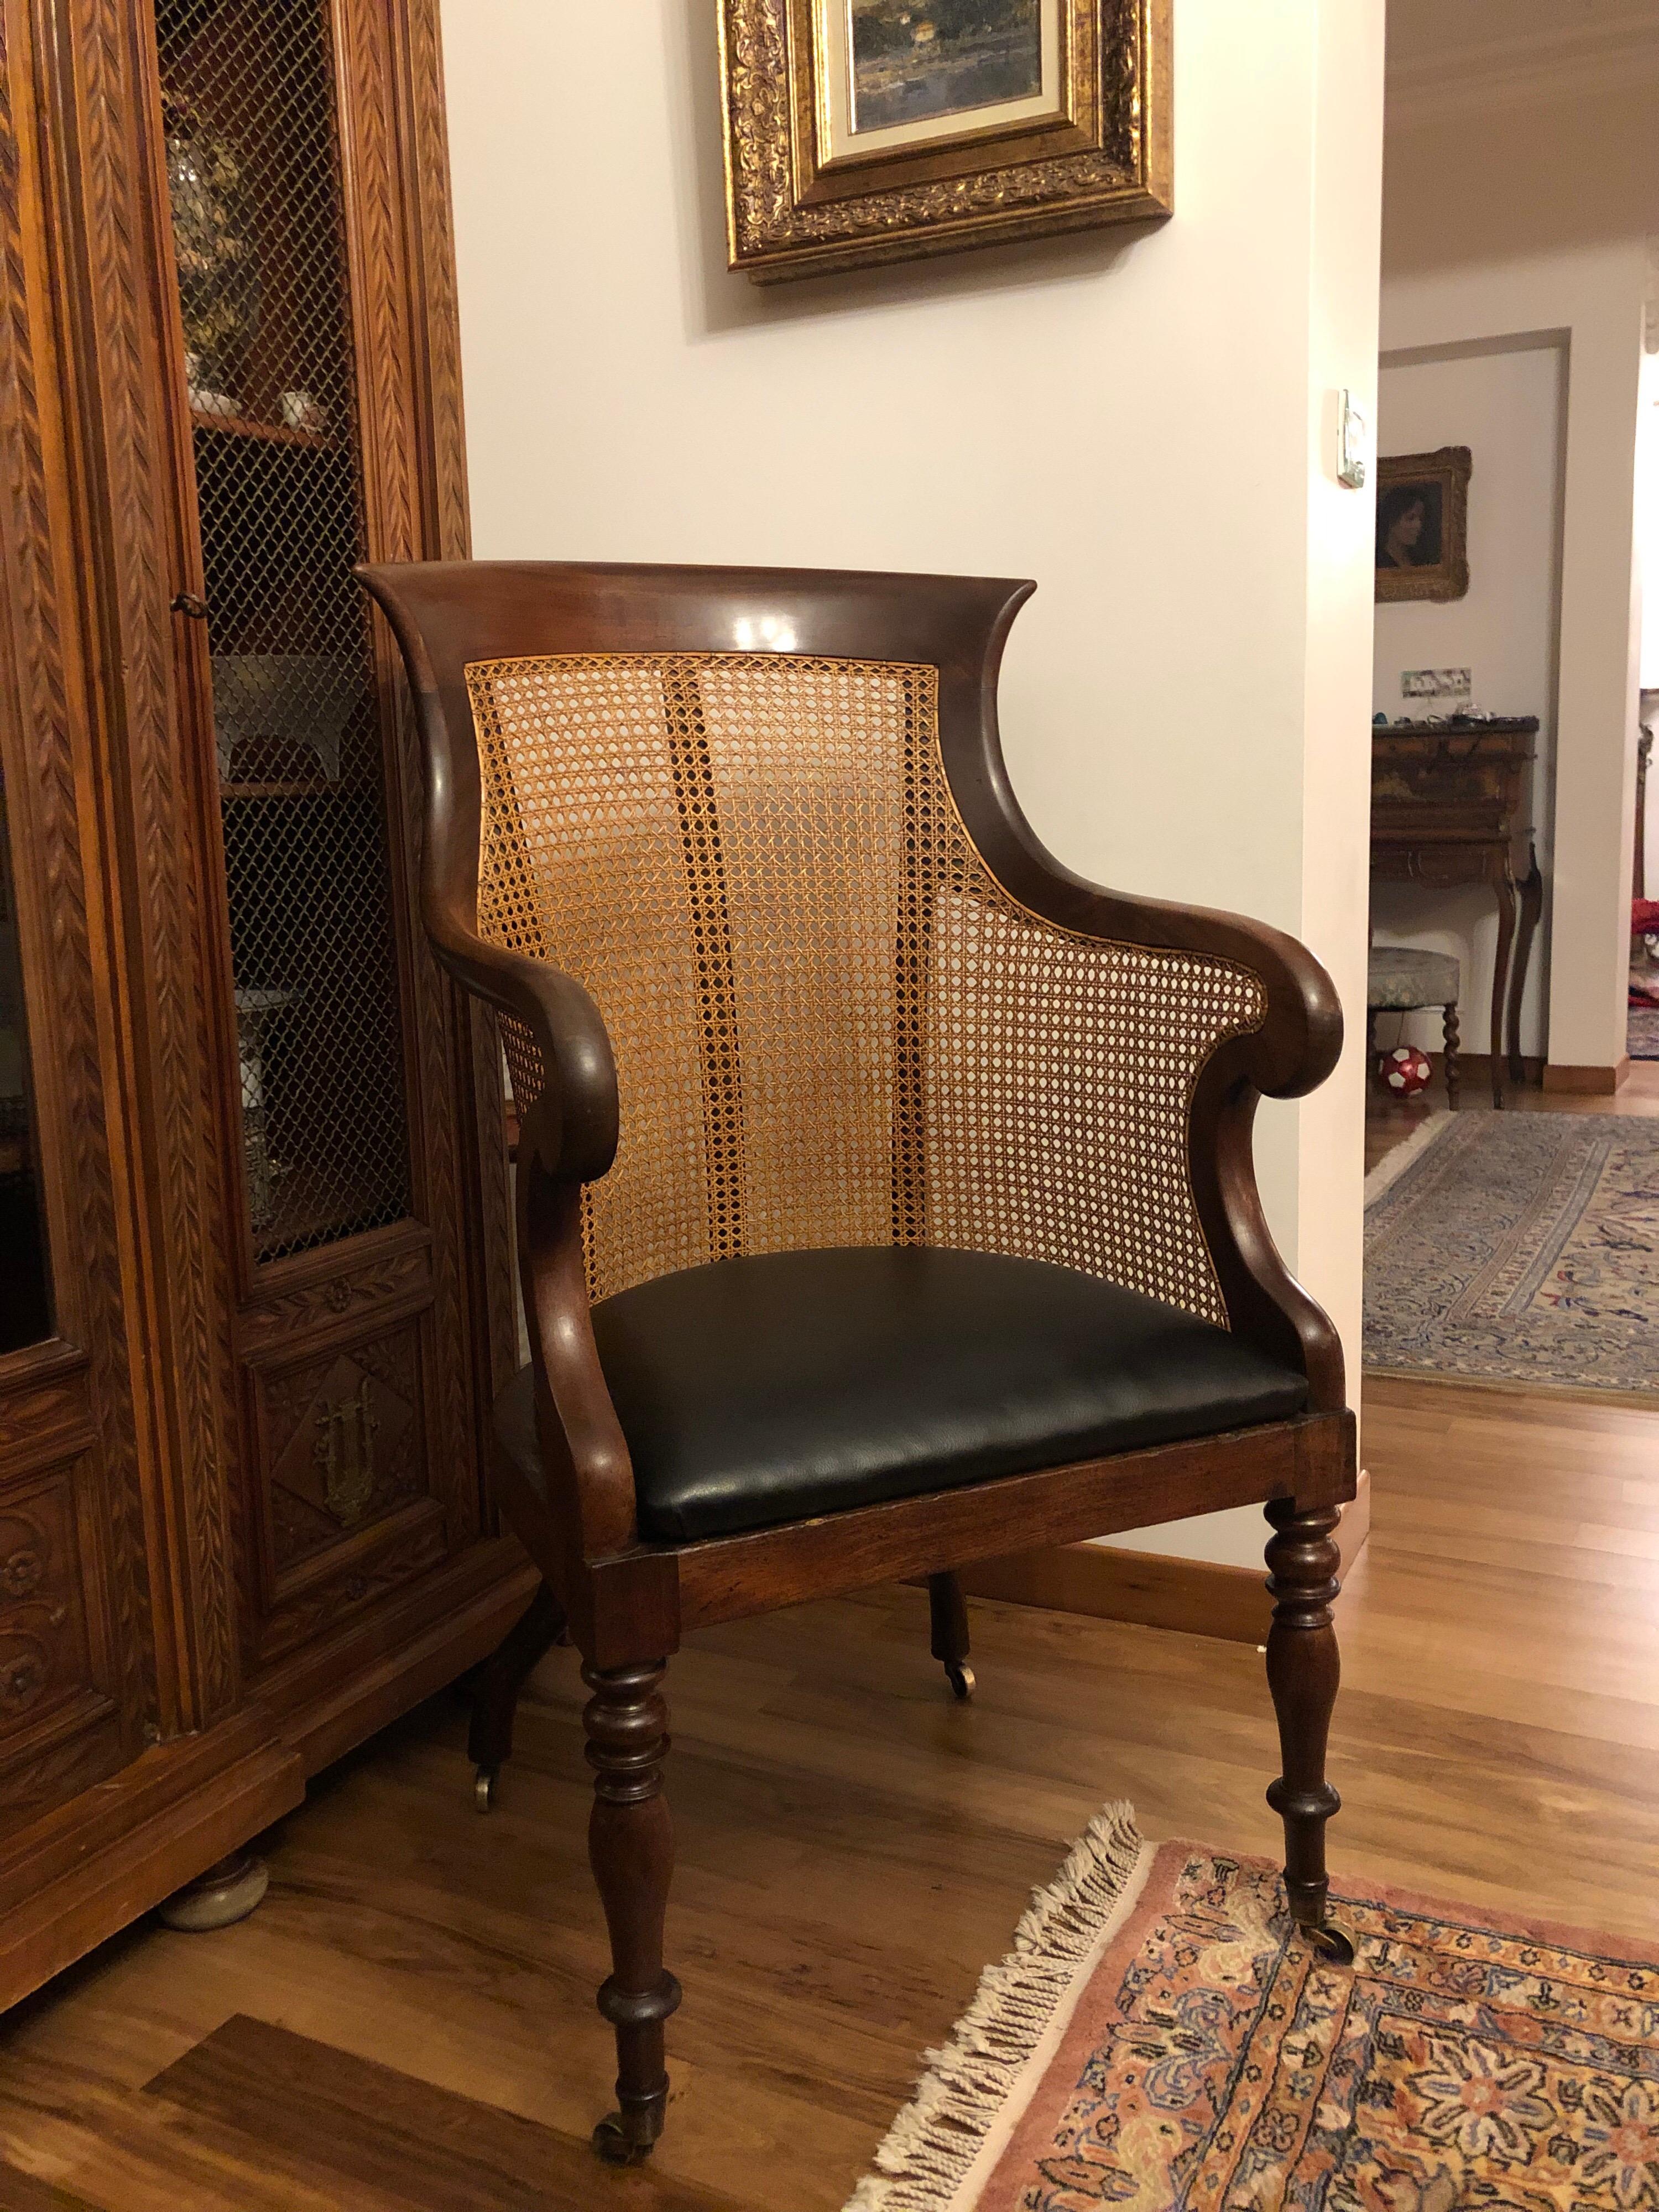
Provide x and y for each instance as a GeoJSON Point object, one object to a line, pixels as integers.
{"type": "Point", "coordinates": [853, 1848]}
{"type": "Point", "coordinates": [1389, 1121]}
{"type": "Point", "coordinates": [408, 2021]}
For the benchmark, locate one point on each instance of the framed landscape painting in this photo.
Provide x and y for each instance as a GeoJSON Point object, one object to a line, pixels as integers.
{"type": "Point", "coordinates": [861, 130]}
{"type": "Point", "coordinates": [904, 73]}
{"type": "Point", "coordinates": [1422, 524]}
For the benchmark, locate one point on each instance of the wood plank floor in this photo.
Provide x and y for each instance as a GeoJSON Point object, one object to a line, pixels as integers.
{"type": "Point", "coordinates": [328, 2123]}
{"type": "Point", "coordinates": [1389, 1120]}
{"type": "Point", "coordinates": [853, 1848]}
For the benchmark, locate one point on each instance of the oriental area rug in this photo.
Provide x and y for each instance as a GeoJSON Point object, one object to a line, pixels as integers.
{"type": "Point", "coordinates": [1642, 1042]}
{"type": "Point", "coordinates": [1160, 2037]}
{"type": "Point", "coordinates": [1517, 1247]}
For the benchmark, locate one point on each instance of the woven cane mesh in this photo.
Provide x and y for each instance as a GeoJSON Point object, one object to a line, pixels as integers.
{"type": "Point", "coordinates": [259, 246]}
{"type": "Point", "coordinates": [832, 1026]}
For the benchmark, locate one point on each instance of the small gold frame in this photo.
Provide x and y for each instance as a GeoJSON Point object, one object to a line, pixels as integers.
{"type": "Point", "coordinates": [1444, 476]}
{"type": "Point", "coordinates": [795, 208]}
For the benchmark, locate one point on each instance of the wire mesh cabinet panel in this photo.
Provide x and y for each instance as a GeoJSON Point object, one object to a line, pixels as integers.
{"type": "Point", "coordinates": [253, 177]}
{"type": "Point", "coordinates": [305, 412]}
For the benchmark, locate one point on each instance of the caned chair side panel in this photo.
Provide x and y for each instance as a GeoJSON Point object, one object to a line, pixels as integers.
{"type": "Point", "coordinates": [832, 1025]}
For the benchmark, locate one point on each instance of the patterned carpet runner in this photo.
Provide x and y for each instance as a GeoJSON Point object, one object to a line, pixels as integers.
{"type": "Point", "coordinates": [1518, 1248]}
{"type": "Point", "coordinates": [1173, 2043]}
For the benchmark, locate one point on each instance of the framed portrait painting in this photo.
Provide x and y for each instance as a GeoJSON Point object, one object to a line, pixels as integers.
{"type": "Point", "coordinates": [869, 130]}
{"type": "Point", "coordinates": [1423, 525]}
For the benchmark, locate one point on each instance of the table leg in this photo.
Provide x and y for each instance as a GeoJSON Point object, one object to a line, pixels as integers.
{"type": "Point", "coordinates": [1532, 906]}
{"type": "Point", "coordinates": [1504, 887]}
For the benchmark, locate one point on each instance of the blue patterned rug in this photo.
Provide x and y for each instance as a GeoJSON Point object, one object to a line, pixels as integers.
{"type": "Point", "coordinates": [1643, 1042]}
{"type": "Point", "coordinates": [1518, 1248]}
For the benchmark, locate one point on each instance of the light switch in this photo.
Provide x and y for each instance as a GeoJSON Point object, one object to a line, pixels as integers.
{"type": "Point", "coordinates": [1353, 442]}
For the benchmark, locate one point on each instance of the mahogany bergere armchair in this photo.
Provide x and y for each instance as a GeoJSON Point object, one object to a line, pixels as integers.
{"type": "Point", "coordinates": [885, 1195]}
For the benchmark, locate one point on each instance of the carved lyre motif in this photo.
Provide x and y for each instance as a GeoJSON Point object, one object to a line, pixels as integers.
{"type": "Point", "coordinates": [345, 1453]}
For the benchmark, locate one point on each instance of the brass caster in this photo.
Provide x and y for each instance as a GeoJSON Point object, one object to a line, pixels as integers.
{"type": "Point", "coordinates": [616, 2146]}
{"type": "Point", "coordinates": [961, 1680]}
{"type": "Point", "coordinates": [483, 1789]}
{"type": "Point", "coordinates": [1331, 1944]}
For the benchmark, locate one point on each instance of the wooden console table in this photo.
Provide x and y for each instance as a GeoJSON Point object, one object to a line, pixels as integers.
{"type": "Point", "coordinates": [1451, 802]}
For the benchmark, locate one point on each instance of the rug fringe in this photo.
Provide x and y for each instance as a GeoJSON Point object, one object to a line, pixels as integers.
{"type": "Point", "coordinates": [935, 2140]}
{"type": "Point", "coordinates": [1393, 1164]}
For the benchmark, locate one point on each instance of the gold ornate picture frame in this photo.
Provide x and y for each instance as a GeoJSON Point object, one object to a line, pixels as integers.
{"type": "Point", "coordinates": [1423, 525]}
{"type": "Point", "coordinates": [872, 130]}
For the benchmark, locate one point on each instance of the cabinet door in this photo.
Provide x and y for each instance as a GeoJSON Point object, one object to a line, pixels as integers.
{"type": "Point", "coordinates": [77, 1686]}
{"type": "Point", "coordinates": [71, 1635]}
{"type": "Point", "coordinates": [295, 228]}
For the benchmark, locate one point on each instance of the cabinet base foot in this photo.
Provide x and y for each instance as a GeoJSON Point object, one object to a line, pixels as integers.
{"type": "Point", "coordinates": [226, 1893]}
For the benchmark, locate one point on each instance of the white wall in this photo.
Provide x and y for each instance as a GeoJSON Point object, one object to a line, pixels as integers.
{"type": "Point", "coordinates": [1140, 421]}
{"type": "Point", "coordinates": [1523, 222]}
{"type": "Point", "coordinates": [1508, 406]}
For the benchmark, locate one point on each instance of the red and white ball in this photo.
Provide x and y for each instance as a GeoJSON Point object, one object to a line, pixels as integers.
{"type": "Point", "coordinates": [1405, 1070]}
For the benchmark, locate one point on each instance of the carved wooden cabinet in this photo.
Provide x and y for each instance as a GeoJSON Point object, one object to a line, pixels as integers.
{"type": "Point", "coordinates": [254, 1292]}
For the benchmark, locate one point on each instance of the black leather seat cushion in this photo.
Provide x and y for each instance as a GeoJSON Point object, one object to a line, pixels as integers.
{"type": "Point", "coordinates": [774, 1388]}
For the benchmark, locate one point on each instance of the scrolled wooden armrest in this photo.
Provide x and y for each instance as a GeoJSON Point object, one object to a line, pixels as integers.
{"type": "Point", "coordinates": [571, 1127]}
{"type": "Point", "coordinates": [567, 1138]}
{"type": "Point", "coordinates": [1295, 1048]}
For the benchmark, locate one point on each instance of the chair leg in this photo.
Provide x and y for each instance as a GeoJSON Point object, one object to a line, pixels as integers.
{"type": "Point", "coordinates": [948, 1610]}
{"type": "Point", "coordinates": [1449, 1020]}
{"type": "Point", "coordinates": [1302, 1671]}
{"type": "Point", "coordinates": [630, 1845]}
{"type": "Point", "coordinates": [496, 1685]}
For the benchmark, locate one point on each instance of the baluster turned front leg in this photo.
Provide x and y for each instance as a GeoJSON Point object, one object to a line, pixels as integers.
{"type": "Point", "coordinates": [1302, 1670]}
{"type": "Point", "coordinates": [630, 1845]}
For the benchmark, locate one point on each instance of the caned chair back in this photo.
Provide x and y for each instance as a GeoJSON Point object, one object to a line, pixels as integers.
{"type": "Point", "coordinates": [832, 1025]}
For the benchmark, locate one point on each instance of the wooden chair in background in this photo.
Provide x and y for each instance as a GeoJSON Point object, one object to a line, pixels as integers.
{"type": "Point", "coordinates": [885, 1195]}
